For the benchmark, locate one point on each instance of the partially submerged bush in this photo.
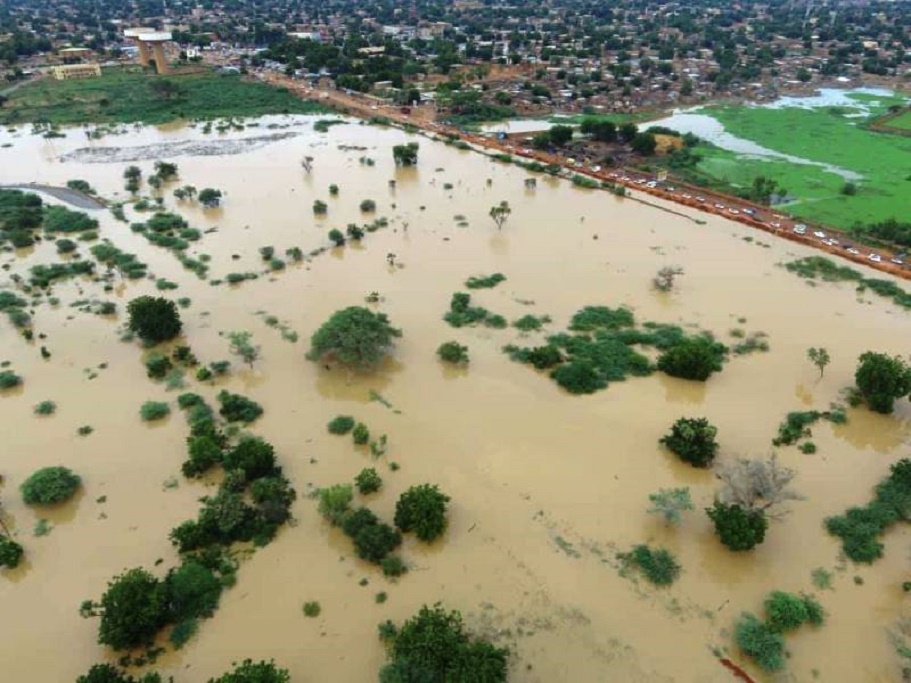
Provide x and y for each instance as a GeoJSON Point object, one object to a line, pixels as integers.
{"type": "Point", "coordinates": [154, 319]}
{"type": "Point", "coordinates": [50, 485]}
{"type": "Point", "coordinates": [695, 358]}
{"type": "Point", "coordinates": [133, 608]}
{"type": "Point", "coordinates": [453, 352]}
{"type": "Point", "coordinates": [786, 611]}
{"type": "Point", "coordinates": [368, 481]}
{"type": "Point", "coordinates": [355, 337]}
{"type": "Point", "coordinates": [738, 528]}
{"type": "Point", "coordinates": [154, 410]}
{"type": "Point", "coordinates": [258, 672]}
{"type": "Point", "coordinates": [881, 379]}
{"type": "Point", "coordinates": [237, 408]}
{"type": "Point", "coordinates": [9, 379]}
{"type": "Point", "coordinates": [254, 456]}
{"type": "Point", "coordinates": [760, 642]}
{"type": "Point", "coordinates": [46, 408]}
{"type": "Point", "coordinates": [693, 441]}
{"type": "Point", "coordinates": [659, 566]}
{"type": "Point", "coordinates": [433, 646]}
{"type": "Point", "coordinates": [335, 501]}
{"type": "Point", "coordinates": [670, 503]}
{"type": "Point", "coordinates": [422, 509]}
{"type": "Point", "coordinates": [341, 425]}
{"type": "Point", "coordinates": [360, 434]}
{"type": "Point", "coordinates": [10, 552]}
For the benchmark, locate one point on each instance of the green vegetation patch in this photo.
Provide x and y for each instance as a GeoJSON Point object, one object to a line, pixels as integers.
{"type": "Point", "coordinates": [130, 95]}
{"type": "Point", "coordinates": [860, 527]}
{"type": "Point", "coordinates": [657, 565]}
{"type": "Point", "coordinates": [796, 425]}
{"type": "Point", "coordinates": [485, 281]}
{"type": "Point", "coordinates": [462, 314]}
{"type": "Point", "coordinates": [820, 267]}
{"type": "Point", "coordinates": [50, 485]}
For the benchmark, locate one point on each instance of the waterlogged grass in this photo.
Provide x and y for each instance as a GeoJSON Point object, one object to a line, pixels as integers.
{"type": "Point", "coordinates": [882, 160]}
{"type": "Point", "coordinates": [813, 267]}
{"type": "Point", "coordinates": [125, 95]}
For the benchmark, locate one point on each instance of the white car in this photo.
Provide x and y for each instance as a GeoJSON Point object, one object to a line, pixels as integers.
{"type": "Point", "coordinates": [854, 251]}
{"type": "Point", "coordinates": [898, 262]}
{"type": "Point", "coordinates": [876, 258]}
{"type": "Point", "coordinates": [700, 199]}
{"type": "Point", "coordinates": [821, 235]}
{"type": "Point", "coordinates": [734, 211]}
{"type": "Point", "coordinates": [802, 226]}
{"type": "Point", "coordinates": [800, 230]}
{"type": "Point", "coordinates": [687, 196]}
{"type": "Point", "coordinates": [719, 206]}
{"type": "Point", "coordinates": [776, 225]}
{"type": "Point", "coordinates": [651, 184]}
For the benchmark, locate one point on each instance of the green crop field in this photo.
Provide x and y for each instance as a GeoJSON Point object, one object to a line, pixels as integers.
{"type": "Point", "coordinates": [128, 95]}
{"type": "Point", "coordinates": [825, 136]}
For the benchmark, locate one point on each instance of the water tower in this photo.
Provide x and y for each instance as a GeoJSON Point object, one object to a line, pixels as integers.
{"type": "Point", "coordinates": [151, 46]}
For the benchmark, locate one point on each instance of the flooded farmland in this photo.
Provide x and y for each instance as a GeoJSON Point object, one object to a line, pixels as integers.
{"type": "Point", "coordinates": [546, 487]}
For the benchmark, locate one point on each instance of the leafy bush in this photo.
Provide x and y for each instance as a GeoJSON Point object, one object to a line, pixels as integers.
{"type": "Point", "coordinates": [335, 501]}
{"type": "Point", "coordinates": [784, 611]}
{"type": "Point", "coordinates": [355, 336]}
{"type": "Point", "coordinates": [659, 566]}
{"type": "Point", "coordinates": [392, 565]}
{"type": "Point", "coordinates": [254, 456]}
{"type": "Point", "coordinates": [601, 317]}
{"type": "Point", "coordinates": [360, 434]}
{"type": "Point", "coordinates": [9, 379]}
{"type": "Point", "coordinates": [433, 646]}
{"type": "Point", "coordinates": [158, 366]}
{"type": "Point", "coordinates": [46, 408]}
{"type": "Point", "coordinates": [237, 408]}
{"type": "Point", "coordinates": [453, 352]}
{"type": "Point", "coordinates": [695, 358]}
{"type": "Point", "coordinates": [422, 509]}
{"type": "Point", "coordinates": [337, 237]}
{"type": "Point", "coordinates": [738, 528]}
{"type": "Point", "coordinates": [579, 377]}
{"type": "Point", "coordinates": [10, 552]}
{"type": "Point", "coordinates": [312, 609]}
{"type": "Point", "coordinates": [669, 503]}
{"type": "Point", "coordinates": [881, 379]}
{"type": "Point", "coordinates": [462, 314]}
{"type": "Point", "coordinates": [341, 425]}
{"type": "Point", "coordinates": [193, 591]}
{"type": "Point", "coordinates": [485, 281]}
{"type": "Point", "coordinates": [368, 481]}
{"type": "Point", "coordinates": [368, 206]}
{"type": "Point", "coordinates": [50, 485]}
{"type": "Point", "coordinates": [204, 453]}
{"type": "Point", "coordinates": [693, 441]}
{"type": "Point", "coordinates": [250, 672]}
{"type": "Point", "coordinates": [154, 410]}
{"type": "Point", "coordinates": [760, 642]}
{"type": "Point", "coordinates": [133, 608]}
{"type": "Point", "coordinates": [105, 673]}
{"type": "Point", "coordinates": [154, 319]}
{"type": "Point", "coordinates": [374, 541]}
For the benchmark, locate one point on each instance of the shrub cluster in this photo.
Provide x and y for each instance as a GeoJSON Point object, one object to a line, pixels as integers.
{"type": "Point", "coordinates": [462, 314]}
{"type": "Point", "coordinates": [422, 509]}
{"type": "Point", "coordinates": [784, 612]}
{"type": "Point", "coordinates": [860, 527]}
{"type": "Point", "coordinates": [373, 539]}
{"type": "Point", "coordinates": [739, 528]}
{"type": "Point", "coordinates": [693, 441]}
{"type": "Point", "coordinates": [694, 358]}
{"type": "Point", "coordinates": [10, 552]}
{"type": "Point", "coordinates": [237, 408]}
{"type": "Point", "coordinates": [453, 352]}
{"type": "Point", "coordinates": [433, 646]}
{"type": "Point", "coordinates": [50, 485]}
{"type": "Point", "coordinates": [341, 425]}
{"type": "Point", "coordinates": [658, 565]}
{"type": "Point", "coordinates": [485, 281]}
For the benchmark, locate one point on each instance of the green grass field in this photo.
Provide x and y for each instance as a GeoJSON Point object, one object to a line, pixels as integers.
{"type": "Point", "coordinates": [821, 135]}
{"type": "Point", "coordinates": [127, 95]}
{"type": "Point", "coordinates": [902, 122]}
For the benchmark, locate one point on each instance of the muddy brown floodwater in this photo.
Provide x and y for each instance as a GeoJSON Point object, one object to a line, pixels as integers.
{"type": "Point", "coordinates": [546, 487]}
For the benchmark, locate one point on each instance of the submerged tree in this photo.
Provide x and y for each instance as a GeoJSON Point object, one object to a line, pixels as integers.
{"type": "Point", "coordinates": [210, 197]}
{"type": "Point", "coordinates": [756, 484]}
{"type": "Point", "coordinates": [881, 379]}
{"type": "Point", "coordinates": [693, 441]}
{"type": "Point", "coordinates": [241, 346]}
{"type": "Point", "coordinates": [819, 357]}
{"type": "Point", "coordinates": [500, 213]}
{"type": "Point", "coordinates": [154, 319]}
{"type": "Point", "coordinates": [670, 503]}
{"type": "Point", "coordinates": [405, 155]}
{"type": "Point", "coordinates": [355, 336]}
{"type": "Point", "coordinates": [664, 279]}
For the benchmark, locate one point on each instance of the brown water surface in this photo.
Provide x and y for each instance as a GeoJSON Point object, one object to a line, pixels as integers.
{"type": "Point", "coordinates": [545, 487]}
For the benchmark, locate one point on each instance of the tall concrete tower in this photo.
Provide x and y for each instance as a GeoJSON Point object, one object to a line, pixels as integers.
{"type": "Point", "coordinates": [151, 46]}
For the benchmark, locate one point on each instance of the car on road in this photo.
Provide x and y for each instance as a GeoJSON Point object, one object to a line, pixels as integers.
{"type": "Point", "coordinates": [876, 258]}
{"type": "Point", "coordinates": [701, 200]}
{"type": "Point", "coordinates": [734, 211]}
{"type": "Point", "coordinates": [800, 229]}
{"type": "Point", "coordinates": [750, 212]}
{"type": "Point", "coordinates": [854, 251]}
{"type": "Point", "coordinates": [719, 206]}
{"type": "Point", "coordinates": [820, 234]}
{"type": "Point", "coordinates": [898, 262]}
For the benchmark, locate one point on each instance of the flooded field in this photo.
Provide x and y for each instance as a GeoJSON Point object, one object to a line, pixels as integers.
{"type": "Point", "coordinates": [546, 487]}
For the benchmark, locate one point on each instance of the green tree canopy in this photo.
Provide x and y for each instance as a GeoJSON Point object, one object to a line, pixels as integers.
{"type": "Point", "coordinates": [154, 319]}
{"type": "Point", "coordinates": [881, 379]}
{"type": "Point", "coordinates": [355, 337]}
